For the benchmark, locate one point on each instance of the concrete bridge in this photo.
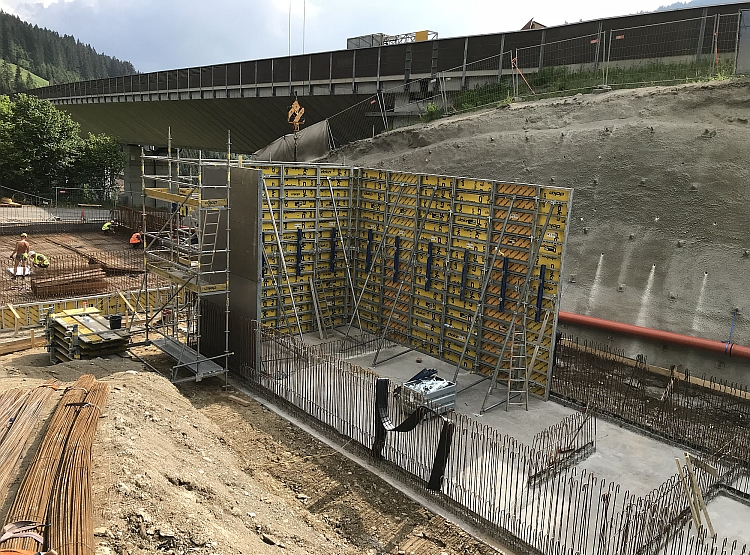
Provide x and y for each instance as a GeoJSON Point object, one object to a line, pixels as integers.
{"type": "Point", "coordinates": [251, 98]}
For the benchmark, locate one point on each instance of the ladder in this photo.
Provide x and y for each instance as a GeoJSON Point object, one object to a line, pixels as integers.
{"type": "Point", "coordinates": [210, 232]}
{"type": "Point", "coordinates": [322, 305]}
{"type": "Point", "coordinates": [518, 370]}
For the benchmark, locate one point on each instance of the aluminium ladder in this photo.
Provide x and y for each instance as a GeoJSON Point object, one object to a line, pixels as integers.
{"type": "Point", "coordinates": [518, 369]}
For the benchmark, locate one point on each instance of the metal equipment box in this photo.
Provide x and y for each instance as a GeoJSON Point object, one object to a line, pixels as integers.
{"type": "Point", "coordinates": [440, 393]}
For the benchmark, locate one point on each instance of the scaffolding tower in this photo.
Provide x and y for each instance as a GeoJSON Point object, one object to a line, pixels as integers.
{"type": "Point", "coordinates": [190, 251]}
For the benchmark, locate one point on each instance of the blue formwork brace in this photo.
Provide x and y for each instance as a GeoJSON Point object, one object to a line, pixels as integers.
{"type": "Point", "coordinates": [428, 275]}
{"type": "Point", "coordinates": [464, 273]}
{"type": "Point", "coordinates": [395, 258]}
{"type": "Point", "coordinates": [263, 246]}
{"type": "Point", "coordinates": [504, 284]}
{"type": "Point", "coordinates": [368, 252]}
{"type": "Point", "coordinates": [540, 293]}
{"type": "Point", "coordinates": [299, 252]}
{"type": "Point", "coordinates": [333, 250]}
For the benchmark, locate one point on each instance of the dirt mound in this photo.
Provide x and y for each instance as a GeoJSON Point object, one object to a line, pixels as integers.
{"type": "Point", "coordinates": [194, 471]}
{"type": "Point", "coordinates": [660, 177]}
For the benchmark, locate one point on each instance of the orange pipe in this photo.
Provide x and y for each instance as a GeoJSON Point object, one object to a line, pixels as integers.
{"type": "Point", "coordinates": [656, 335]}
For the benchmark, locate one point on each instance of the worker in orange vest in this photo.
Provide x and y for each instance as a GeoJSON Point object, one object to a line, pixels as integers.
{"type": "Point", "coordinates": [135, 240]}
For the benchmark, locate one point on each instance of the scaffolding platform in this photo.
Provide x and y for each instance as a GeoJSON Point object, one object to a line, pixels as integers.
{"type": "Point", "coordinates": [187, 359]}
{"type": "Point", "coordinates": [188, 280]}
{"type": "Point", "coordinates": [185, 196]}
{"type": "Point", "coordinates": [190, 250]}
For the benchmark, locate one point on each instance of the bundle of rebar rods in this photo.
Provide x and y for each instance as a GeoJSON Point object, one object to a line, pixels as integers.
{"type": "Point", "coordinates": [70, 514]}
{"type": "Point", "coordinates": [56, 489]}
{"type": "Point", "coordinates": [19, 414]}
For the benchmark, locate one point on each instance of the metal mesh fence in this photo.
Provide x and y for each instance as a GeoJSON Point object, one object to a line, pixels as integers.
{"type": "Point", "coordinates": [62, 206]}
{"type": "Point", "coordinates": [675, 52]}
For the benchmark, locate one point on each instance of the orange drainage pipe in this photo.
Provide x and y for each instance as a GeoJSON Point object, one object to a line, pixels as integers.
{"type": "Point", "coordinates": [656, 335]}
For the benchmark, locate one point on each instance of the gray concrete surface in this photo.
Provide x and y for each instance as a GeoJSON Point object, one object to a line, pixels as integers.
{"type": "Point", "coordinates": [660, 197]}
{"type": "Point", "coordinates": [731, 520]}
{"type": "Point", "coordinates": [637, 462]}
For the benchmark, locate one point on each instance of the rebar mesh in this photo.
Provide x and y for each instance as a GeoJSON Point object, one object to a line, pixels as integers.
{"type": "Point", "coordinates": [530, 497]}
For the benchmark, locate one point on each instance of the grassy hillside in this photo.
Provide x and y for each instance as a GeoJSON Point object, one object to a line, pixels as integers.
{"type": "Point", "coordinates": [35, 79]}
{"type": "Point", "coordinates": [50, 56]}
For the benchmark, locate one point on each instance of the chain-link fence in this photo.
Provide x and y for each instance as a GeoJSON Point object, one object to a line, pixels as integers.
{"type": "Point", "coordinates": [62, 204]}
{"type": "Point", "coordinates": [674, 52]}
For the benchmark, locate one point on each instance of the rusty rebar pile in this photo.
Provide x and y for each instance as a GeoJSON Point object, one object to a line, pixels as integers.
{"type": "Point", "coordinates": [71, 510]}
{"type": "Point", "coordinates": [57, 489]}
{"type": "Point", "coordinates": [19, 413]}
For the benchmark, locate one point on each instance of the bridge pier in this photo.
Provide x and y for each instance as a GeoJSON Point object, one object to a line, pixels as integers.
{"type": "Point", "coordinates": [132, 193]}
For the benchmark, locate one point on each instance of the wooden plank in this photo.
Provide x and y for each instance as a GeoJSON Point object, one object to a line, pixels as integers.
{"type": "Point", "coordinates": [16, 317]}
{"type": "Point", "coordinates": [239, 400]}
{"type": "Point", "coordinates": [8, 347]}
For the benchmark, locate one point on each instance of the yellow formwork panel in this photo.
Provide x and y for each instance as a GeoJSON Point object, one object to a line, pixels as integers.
{"type": "Point", "coordinates": [454, 216]}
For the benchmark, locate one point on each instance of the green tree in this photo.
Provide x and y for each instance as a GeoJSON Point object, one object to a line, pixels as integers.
{"type": "Point", "coordinates": [98, 162]}
{"type": "Point", "coordinates": [29, 84]}
{"type": "Point", "coordinates": [6, 78]}
{"type": "Point", "coordinates": [18, 81]}
{"type": "Point", "coordinates": [37, 145]}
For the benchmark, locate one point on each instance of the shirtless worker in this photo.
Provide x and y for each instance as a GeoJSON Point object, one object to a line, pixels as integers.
{"type": "Point", "coordinates": [20, 254]}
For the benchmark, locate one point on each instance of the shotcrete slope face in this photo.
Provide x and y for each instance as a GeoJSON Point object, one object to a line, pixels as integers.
{"type": "Point", "coordinates": [661, 209]}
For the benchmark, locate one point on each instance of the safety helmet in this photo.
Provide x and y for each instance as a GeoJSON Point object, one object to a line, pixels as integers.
{"type": "Point", "coordinates": [24, 235]}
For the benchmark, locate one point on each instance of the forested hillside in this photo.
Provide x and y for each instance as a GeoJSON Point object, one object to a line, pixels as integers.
{"type": "Point", "coordinates": [56, 58]}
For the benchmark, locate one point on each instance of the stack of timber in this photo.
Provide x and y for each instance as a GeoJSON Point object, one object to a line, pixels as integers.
{"type": "Point", "coordinates": [69, 283]}
{"type": "Point", "coordinates": [82, 333]}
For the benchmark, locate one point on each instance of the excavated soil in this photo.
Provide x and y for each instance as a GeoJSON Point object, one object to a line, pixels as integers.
{"type": "Point", "coordinates": [189, 470]}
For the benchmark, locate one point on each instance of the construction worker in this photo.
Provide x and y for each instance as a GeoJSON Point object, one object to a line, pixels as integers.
{"type": "Point", "coordinates": [20, 254]}
{"type": "Point", "coordinates": [108, 228]}
{"type": "Point", "coordinates": [135, 240]}
{"type": "Point", "coordinates": [39, 260]}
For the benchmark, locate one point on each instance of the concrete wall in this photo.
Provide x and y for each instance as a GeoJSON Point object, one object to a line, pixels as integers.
{"type": "Point", "coordinates": [243, 220]}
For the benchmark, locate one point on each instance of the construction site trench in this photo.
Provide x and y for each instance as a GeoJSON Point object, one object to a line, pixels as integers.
{"type": "Point", "coordinates": [656, 239]}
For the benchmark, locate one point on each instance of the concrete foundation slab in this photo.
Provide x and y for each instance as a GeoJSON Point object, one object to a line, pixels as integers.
{"type": "Point", "coordinates": [637, 462]}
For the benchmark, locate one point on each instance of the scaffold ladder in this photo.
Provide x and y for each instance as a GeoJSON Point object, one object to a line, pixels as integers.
{"type": "Point", "coordinates": [521, 306]}
{"type": "Point", "coordinates": [518, 370]}
{"type": "Point", "coordinates": [211, 219]}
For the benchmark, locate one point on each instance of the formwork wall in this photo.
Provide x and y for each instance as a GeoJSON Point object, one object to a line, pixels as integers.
{"type": "Point", "coordinates": [302, 209]}
{"type": "Point", "coordinates": [419, 249]}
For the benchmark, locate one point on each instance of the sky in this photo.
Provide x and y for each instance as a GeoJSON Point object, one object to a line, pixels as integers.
{"type": "Point", "coordinates": [167, 34]}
